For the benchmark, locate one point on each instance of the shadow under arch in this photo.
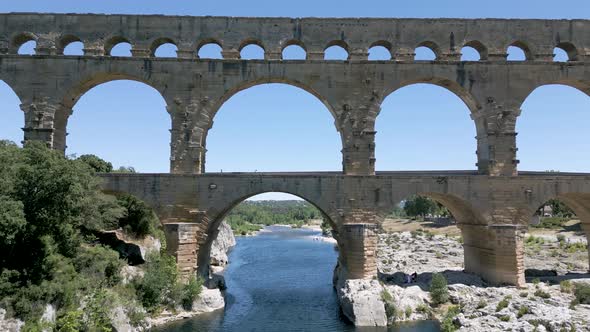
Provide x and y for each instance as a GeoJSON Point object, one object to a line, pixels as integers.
{"type": "Point", "coordinates": [455, 87]}
{"type": "Point", "coordinates": [204, 249]}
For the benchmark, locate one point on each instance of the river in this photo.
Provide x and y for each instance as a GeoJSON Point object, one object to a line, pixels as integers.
{"type": "Point", "coordinates": [281, 280]}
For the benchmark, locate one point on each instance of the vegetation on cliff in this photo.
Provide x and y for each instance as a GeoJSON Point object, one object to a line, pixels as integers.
{"type": "Point", "coordinates": [51, 207]}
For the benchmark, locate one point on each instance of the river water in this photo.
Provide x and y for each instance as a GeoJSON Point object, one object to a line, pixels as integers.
{"type": "Point", "coordinates": [281, 280]}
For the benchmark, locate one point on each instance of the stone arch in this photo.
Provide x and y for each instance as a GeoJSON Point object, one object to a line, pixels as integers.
{"type": "Point", "coordinates": [480, 48]}
{"type": "Point", "coordinates": [293, 42]}
{"type": "Point", "coordinates": [66, 40]}
{"type": "Point", "coordinates": [252, 42]}
{"type": "Point", "coordinates": [579, 84]}
{"type": "Point", "coordinates": [81, 87]}
{"type": "Point", "coordinates": [433, 47]}
{"type": "Point", "coordinates": [114, 41]}
{"type": "Point", "coordinates": [526, 49]}
{"type": "Point", "coordinates": [216, 217]}
{"type": "Point", "coordinates": [455, 87]}
{"type": "Point", "coordinates": [209, 41]}
{"type": "Point", "coordinates": [341, 44]}
{"type": "Point", "coordinates": [19, 39]}
{"type": "Point", "coordinates": [382, 44]}
{"type": "Point", "coordinates": [159, 42]}
{"type": "Point", "coordinates": [570, 49]}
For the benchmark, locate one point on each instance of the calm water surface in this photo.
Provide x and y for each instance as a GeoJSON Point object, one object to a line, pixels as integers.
{"type": "Point", "coordinates": [281, 280]}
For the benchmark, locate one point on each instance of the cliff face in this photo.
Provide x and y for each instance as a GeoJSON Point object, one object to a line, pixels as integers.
{"type": "Point", "coordinates": [222, 244]}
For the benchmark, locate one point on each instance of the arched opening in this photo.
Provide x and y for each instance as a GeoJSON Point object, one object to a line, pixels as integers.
{"type": "Point", "coordinates": [13, 119]}
{"type": "Point", "coordinates": [27, 48]}
{"type": "Point", "coordinates": [294, 52]}
{"type": "Point", "coordinates": [518, 51]}
{"type": "Point", "coordinates": [424, 127]}
{"type": "Point", "coordinates": [24, 44]}
{"type": "Point", "coordinates": [165, 49]}
{"type": "Point", "coordinates": [336, 50]}
{"type": "Point", "coordinates": [70, 45]}
{"type": "Point", "coordinates": [565, 52]}
{"type": "Point", "coordinates": [123, 122]}
{"type": "Point", "coordinates": [545, 144]}
{"type": "Point", "coordinates": [426, 51]}
{"type": "Point", "coordinates": [210, 50]}
{"type": "Point", "coordinates": [469, 53]}
{"type": "Point", "coordinates": [74, 48]}
{"type": "Point", "coordinates": [273, 127]}
{"type": "Point", "coordinates": [118, 46]}
{"type": "Point", "coordinates": [380, 52]}
{"type": "Point", "coordinates": [297, 262]}
{"type": "Point", "coordinates": [252, 51]}
{"type": "Point", "coordinates": [556, 243]}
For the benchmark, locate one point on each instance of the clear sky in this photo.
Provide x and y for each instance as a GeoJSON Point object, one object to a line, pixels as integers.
{"type": "Point", "coordinates": [277, 127]}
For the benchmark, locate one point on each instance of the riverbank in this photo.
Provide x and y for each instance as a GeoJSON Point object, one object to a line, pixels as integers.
{"type": "Point", "coordinates": [543, 304]}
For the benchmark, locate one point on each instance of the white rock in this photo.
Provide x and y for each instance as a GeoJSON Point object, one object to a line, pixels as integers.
{"type": "Point", "coordinates": [224, 241]}
{"type": "Point", "coordinates": [361, 302]}
{"type": "Point", "coordinates": [9, 325]}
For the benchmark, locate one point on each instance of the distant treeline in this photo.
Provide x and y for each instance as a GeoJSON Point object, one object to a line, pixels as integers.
{"type": "Point", "coordinates": [252, 215]}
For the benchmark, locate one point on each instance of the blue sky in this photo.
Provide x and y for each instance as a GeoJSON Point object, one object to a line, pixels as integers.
{"type": "Point", "coordinates": [282, 128]}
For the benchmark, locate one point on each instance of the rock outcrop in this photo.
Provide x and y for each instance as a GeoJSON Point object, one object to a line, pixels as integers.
{"type": "Point", "coordinates": [209, 300]}
{"type": "Point", "coordinates": [9, 324]}
{"type": "Point", "coordinates": [222, 244]}
{"type": "Point", "coordinates": [133, 250]}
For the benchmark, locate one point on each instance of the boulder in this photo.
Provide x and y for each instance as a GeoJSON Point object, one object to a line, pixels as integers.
{"type": "Point", "coordinates": [209, 300]}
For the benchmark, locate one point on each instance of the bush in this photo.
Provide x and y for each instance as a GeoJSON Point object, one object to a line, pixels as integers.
{"type": "Point", "coordinates": [158, 281]}
{"type": "Point", "coordinates": [71, 321]}
{"type": "Point", "coordinates": [409, 312]}
{"type": "Point", "coordinates": [191, 291]}
{"type": "Point", "coordinates": [439, 292]}
{"type": "Point", "coordinates": [542, 294]}
{"type": "Point", "coordinates": [390, 309]}
{"type": "Point", "coordinates": [447, 324]}
{"type": "Point", "coordinates": [505, 318]}
{"type": "Point", "coordinates": [523, 310]}
{"type": "Point", "coordinates": [502, 304]}
{"type": "Point", "coordinates": [139, 219]}
{"type": "Point", "coordinates": [566, 286]}
{"type": "Point", "coordinates": [582, 294]}
{"type": "Point", "coordinates": [481, 304]}
{"type": "Point", "coordinates": [97, 164]}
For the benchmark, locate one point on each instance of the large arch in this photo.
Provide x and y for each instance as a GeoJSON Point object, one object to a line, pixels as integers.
{"type": "Point", "coordinates": [438, 101]}
{"type": "Point", "coordinates": [217, 215]}
{"type": "Point", "coordinates": [551, 127]}
{"type": "Point", "coordinates": [127, 138]}
{"type": "Point", "coordinates": [270, 106]}
{"type": "Point", "coordinates": [13, 119]}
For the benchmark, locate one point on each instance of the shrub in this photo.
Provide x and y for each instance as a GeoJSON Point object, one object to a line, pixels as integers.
{"type": "Point", "coordinates": [71, 321]}
{"type": "Point", "coordinates": [523, 294]}
{"type": "Point", "coordinates": [409, 312]}
{"type": "Point", "coordinates": [159, 280]}
{"type": "Point", "coordinates": [439, 292]}
{"type": "Point", "coordinates": [542, 294]}
{"type": "Point", "coordinates": [502, 304]}
{"type": "Point", "coordinates": [191, 291]}
{"type": "Point", "coordinates": [447, 324]}
{"type": "Point", "coordinates": [582, 294]}
{"type": "Point", "coordinates": [482, 304]}
{"type": "Point", "coordinates": [390, 309]}
{"type": "Point", "coordinates": [139, 219]}
{"type": "Point", "coordinates": [505, 318]}
{"type": "Point", "coordinates": [536, 281]}
{"type": "Point", "coordinates": [523, 310]}
{"type": "Point", "coordinates": [566, 286]}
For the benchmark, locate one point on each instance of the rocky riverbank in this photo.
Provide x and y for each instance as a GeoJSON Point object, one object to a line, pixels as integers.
{"type": "Point", "coordinates": [542, 305]}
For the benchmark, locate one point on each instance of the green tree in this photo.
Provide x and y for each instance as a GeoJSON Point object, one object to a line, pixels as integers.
{"type": "Point", "coordinates": [419, 206]}
{"type": "Point", "coordinates": [439, 292]}
{"type": "Point", "coordinates": [139, 219]}
{"type": "Point", "coordinates": [97, 164]}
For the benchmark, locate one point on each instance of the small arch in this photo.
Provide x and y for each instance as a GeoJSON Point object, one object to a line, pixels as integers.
{"type": "Point", "coordinates": [519, 51]}
{"type": "Point", "coordinates": [336, 50]}
{"type": "Point", "coordinates": [24, 44]}
{"type": "Point", "coordinates": [427, 51]}
{"type": "Point", "coordinates": [70, 45]}
{"type": "Point", "coordinates": [380, 51]}
{"type": "Point", "coordinates": [251, 49]}
{"type": "Point", "coordinates": [570, 53]}
{"type": "Point", "coordinates": [294, 50]}
{"type": "Point", "coordinates": [163, 48]}
{"type": "Point", "coordinates": [480, 49]}
{"type": "Point", "coordinates": [209, 49]}
{"type": "Point", "coordinates": [118, 46]}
